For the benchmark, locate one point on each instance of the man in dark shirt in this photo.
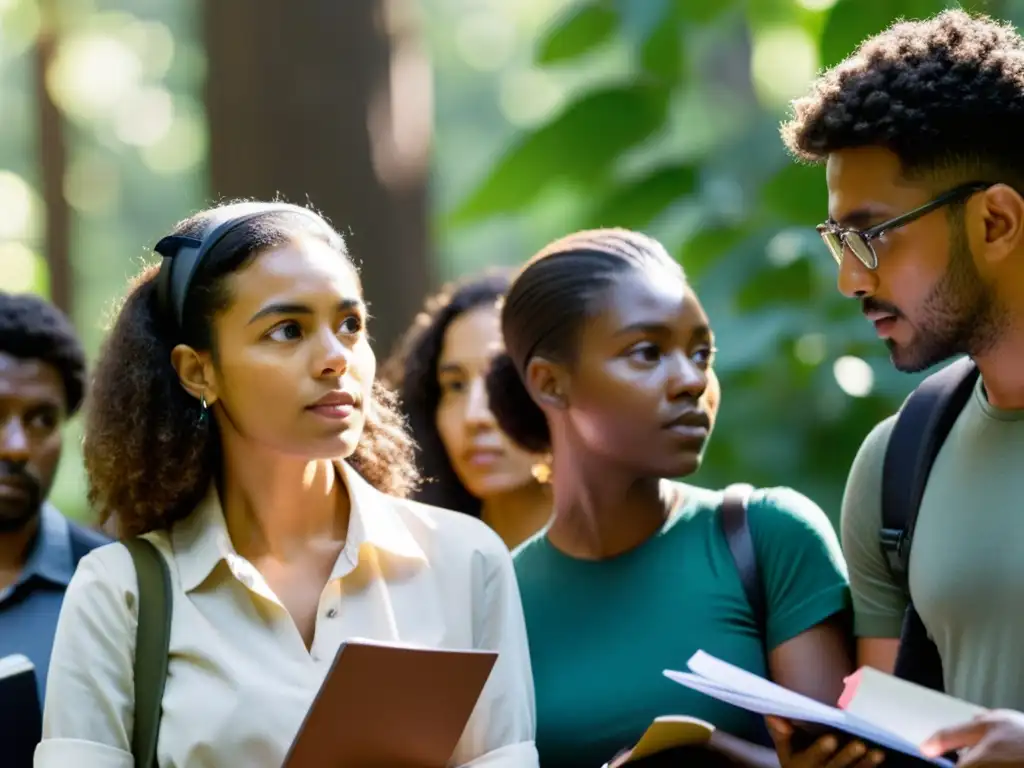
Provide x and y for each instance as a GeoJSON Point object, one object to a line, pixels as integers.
{"type": "Point", "coordinates": [42, 382]}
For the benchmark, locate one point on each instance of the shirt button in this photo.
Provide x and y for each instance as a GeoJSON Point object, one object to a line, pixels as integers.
{"type": "Point", "coordinates": [332, 613]}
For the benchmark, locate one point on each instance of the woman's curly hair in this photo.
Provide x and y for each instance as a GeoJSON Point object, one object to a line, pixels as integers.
{"type": "Point", "coordinates": [412, 371]}
{"type": "Point", "coordinates": [946, 95]}
{"type": "Point", "coordinates": [149, 456]}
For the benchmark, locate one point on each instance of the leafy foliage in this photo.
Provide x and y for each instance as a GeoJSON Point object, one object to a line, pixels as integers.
{"type": "Point", "coordinates": [748, 241]}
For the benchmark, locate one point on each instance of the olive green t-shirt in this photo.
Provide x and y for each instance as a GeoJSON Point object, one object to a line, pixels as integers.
{"type": "Point", "coordinates": [602, 632]}
{"type": "Point", "coordinates": [967, 560]}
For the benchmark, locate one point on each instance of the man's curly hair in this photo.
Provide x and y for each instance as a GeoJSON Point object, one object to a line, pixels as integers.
{"type": "Point", "coordinates": [149, 457]}
{"type": "Point", "coordinates": [945, 95]}
{"type": "Point", "coordinates": [33, 329]}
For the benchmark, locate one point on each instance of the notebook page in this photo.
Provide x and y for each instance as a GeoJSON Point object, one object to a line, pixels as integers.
{"type": "Point", "coordinates": [743, 689]}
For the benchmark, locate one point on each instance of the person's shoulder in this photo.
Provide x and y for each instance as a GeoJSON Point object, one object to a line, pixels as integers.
{"type": "Point", "coordinates": [872, 448]}
{"type": "Point", "coordinates": [534, 548]}
{"type": "Point", "coordinates": [787, 511]}
{"type": "Point", "coordinates": [109, 567]}
{"type": "Point", "coordinates": [453, 530]}
{"type": "Point", "coordinates": [86, 539]}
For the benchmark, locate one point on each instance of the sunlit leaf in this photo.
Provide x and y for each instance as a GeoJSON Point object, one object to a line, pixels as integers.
{"type": "Point", "coordinates": [637, 203]}
{"type": "Point", "coordinates": [581, 30]}
{"type": "Point", "coordinates": [850, 22]}
{"type": "Point", "coordinates": [579, 145]}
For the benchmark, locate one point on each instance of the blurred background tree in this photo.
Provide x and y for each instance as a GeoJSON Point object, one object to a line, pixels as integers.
{"type": "Point", "coordinates": [447, 135]}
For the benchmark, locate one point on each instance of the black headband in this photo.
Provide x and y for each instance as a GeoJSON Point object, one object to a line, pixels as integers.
{"type": "Point", "coordinates": [182, 255]}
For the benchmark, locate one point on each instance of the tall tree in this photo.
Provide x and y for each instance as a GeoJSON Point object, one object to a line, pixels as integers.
{"type": "Point", "coordinates": [330, 102]}
{"type": "Point", "coordinates": [53, 163]}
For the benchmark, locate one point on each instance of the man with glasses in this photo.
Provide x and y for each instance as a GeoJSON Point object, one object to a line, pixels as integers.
{"type": "Point", "coordinates": [921, 132]}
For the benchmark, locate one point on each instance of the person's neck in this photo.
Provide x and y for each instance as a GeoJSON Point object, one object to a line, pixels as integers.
{"type": "Point", "coordinates": [1002, 369]}
{"type": "Point", "coordinates": [14, 549]}
{"type": "Point", "coordinates": [600, 513]}
{"type": "Point", "coordinates": [281, 507]}
{"type": "Point", "coordinates": [517, 515]}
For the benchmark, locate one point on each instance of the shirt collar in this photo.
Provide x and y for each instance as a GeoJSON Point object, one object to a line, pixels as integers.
{"type": "Point", "coordinates": [201, 540]}
{"type": "Point", "coordinates": [50, 557]}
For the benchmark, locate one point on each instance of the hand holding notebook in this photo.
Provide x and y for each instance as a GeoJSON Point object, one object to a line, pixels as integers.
{"type": "Point", "coordinates": [386, 705]}
{"type": "Point", "coordinates": [909, 709]}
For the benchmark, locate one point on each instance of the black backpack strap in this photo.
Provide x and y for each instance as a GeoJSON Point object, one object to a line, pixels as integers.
{"type": "Point", "coordinates": [922, 426]}
{"type": "Point", "coordinates": [918, 659]}
{"type": "Point", "coordinates": [733, 514]}
{"type": "Point", "coordinates": [152, 648]}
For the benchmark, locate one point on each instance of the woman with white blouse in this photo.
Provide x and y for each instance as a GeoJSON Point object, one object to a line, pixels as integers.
{"type": "Point", "coordinates": [235, 424]}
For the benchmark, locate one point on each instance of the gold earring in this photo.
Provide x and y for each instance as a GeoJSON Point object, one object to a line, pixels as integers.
{"type": "Point", "coordinates": [542, 471]}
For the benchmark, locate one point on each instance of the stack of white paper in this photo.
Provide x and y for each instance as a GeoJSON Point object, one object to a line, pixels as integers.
{"type": "Point", "coordinates": [736, 686]}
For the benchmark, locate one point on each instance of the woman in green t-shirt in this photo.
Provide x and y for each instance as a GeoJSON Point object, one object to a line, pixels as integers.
{"type": "Point", "coordinates": [608, 367]}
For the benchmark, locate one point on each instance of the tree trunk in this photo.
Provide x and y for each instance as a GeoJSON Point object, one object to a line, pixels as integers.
{"type": "Point", "coordinates": [53, 162]}
{"type": "Point", "coordinates": [329, 101]}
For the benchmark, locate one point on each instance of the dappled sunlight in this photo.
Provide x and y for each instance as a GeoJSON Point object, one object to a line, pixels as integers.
{"type": "Point", "coordinates": [92, 74]}
{"type": "Point", "coordinates": [22, 212]}
{"type": "Point", "coordinates": [144, 117]}
{"type": "Point", "coordinates": [810, 349]}
{"type": "Point", "coordinates": [784, 61]}
{"type": "Point", "coordinates": [182, 147]}
{"type": "Point", "coordinates": [528, 96]}
{"type": "Point", "coordinates": [854, 376]}
{"type": "Point", "coordinates": [485, 40]}
{"type": "Point", "coordinates": [92, 184]}
{"type": "Point", "coordinates": [21, 269]}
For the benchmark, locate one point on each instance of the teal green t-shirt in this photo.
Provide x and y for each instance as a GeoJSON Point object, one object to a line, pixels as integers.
{"type": "Point", "coordinates": [601, 632]}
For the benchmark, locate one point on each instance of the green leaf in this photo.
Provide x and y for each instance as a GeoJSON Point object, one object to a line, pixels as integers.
{"type": "Point", "coordinates": [789, 286]}
{"type": "Point", "coordinates": [850, 22]}
{"type": "Point", "coordinates": [662, 52]}
{"type": "Point", "coordinates": [579, 145]}
{"type": "Point", "coordinates": [797, 194]}
{"type": "Point", "coordinates": [581, 30]}
{"type": "Point", "coordinates": [708, 246]}
{"type": "Point", "coordinates": [637, 203]}
{"type": "Point", "coordinates": [702, 11]}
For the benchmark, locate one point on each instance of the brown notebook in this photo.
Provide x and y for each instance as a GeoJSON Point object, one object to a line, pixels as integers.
{"type": "Point", "coordinates": [386, 705]}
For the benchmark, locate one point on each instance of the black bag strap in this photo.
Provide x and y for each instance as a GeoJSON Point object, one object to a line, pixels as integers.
{"type": "Point", "coordinates": [152, 647]}
{"type": "Point", "coordinates": [922, 426]}
{"type": "Point", "coordinates": [733, 514]}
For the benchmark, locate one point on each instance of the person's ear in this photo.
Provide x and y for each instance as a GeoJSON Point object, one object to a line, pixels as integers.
{"type": "Point", "coordinates": [196, 373]}
{"type": "Point", "coordinates": [1002, 212]}
{"type": "Point", "coordinates": [547, 382]}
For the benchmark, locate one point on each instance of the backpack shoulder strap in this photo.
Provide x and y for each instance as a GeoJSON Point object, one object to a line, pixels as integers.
{"type": "Point", "coordinates": [733, 514]}
{"type": "Point", "coordinates": [152, 644]}
{"type": "Point", "coordinates": [922, 426]}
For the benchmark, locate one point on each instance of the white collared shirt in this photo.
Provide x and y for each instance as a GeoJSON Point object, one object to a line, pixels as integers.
{"type": "Point", "coordinates": [240, 678]}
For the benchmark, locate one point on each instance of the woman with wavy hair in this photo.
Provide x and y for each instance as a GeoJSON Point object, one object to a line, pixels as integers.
{"type": "Point", "coordinates": [235, 424]}
{"type": "Point", "coordinates": [467, 462]}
